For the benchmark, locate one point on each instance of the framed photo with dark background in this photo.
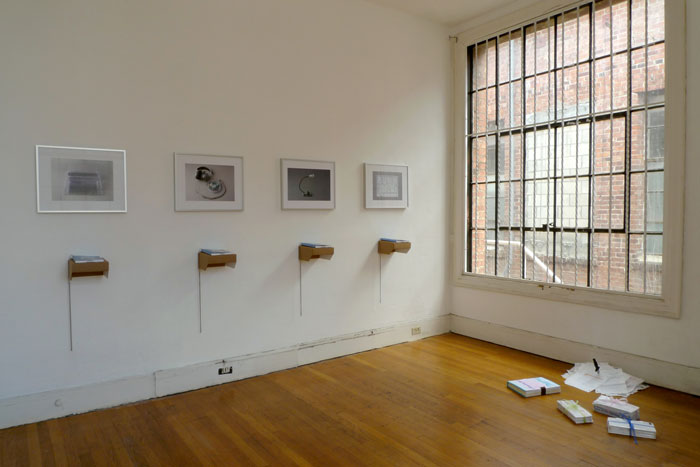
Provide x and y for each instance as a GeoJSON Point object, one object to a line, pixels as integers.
{"type": "Point", "coordinates": [308, 184]}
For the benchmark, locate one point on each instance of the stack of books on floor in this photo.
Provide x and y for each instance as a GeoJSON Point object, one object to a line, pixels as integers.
{"type": "Point", "coordinates": [620, 426]}
{"type": "Point", "coordinates": [615, 408]}
{"type": "Point", "coordinates": [574, 411]}
{"type": "Point", "coordinates": [530, 387]}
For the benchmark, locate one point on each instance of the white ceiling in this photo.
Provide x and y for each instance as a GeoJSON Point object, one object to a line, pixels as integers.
{"type": "Point", "coordinates": [449, 12]}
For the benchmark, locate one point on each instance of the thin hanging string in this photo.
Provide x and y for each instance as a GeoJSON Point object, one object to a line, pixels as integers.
{"type": "Point", "coordinates": [380, 278]}
{"type": "Point", "coordinates": [199, 282]}
{"type": "Point", "coordinates": [70, 315]}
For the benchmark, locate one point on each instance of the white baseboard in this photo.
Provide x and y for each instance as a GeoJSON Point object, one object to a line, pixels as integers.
{"type": "Point", "coordinates": [62, 402]}
{"type": "Point", "coordinates": [658, 372]}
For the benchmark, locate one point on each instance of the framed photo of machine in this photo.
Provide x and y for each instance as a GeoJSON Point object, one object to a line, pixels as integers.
{"type": "Point", "coordinates": [308, 184]}
{"type": "Point", "coordinates": [386, 186]}
{"type": "Point", "coordinates": [208, 183]}
{"type": "Point", "coordinates": [76, 180]}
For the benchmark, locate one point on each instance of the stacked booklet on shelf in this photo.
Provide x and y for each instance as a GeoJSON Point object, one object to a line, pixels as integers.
{"type": "Point", "coordinates": [215, 252]}
{"type": "Point", "coordinates": [87, 259]}
{"type": "Point", "coordinates": [620, 426]}
{"type": "Point", "coordinates": [615, 408]}
{"type": "Point", "coordinates": [574, 411]}
{"type": "Point", "coordinates": [315, 245]}
{"type": "Point", "coordinates": [530, 387]}
{"type": "Point", "coordinates": [393, 240]}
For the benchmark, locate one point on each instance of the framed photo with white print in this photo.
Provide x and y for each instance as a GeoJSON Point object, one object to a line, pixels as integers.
{"type": "Point", "coordinates": [308, 184]}
{"type": "Point", "coordinates": [386, 186]}
{"type": "Point", "coordinates": [80, 180]}
{"type": "Point", "coordinates": [208, 183]}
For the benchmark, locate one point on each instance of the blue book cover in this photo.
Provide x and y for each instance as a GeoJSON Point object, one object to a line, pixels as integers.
{"type": "Point", "coordinates": [314, 245]}
{"type": "Point", "coordinates": [392, 240]}
{"type": "Point", "coordinates": [215, 252]}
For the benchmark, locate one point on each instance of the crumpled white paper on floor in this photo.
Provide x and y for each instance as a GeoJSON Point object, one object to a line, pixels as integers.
{"type": "Point", "coordinates": [607, 380]}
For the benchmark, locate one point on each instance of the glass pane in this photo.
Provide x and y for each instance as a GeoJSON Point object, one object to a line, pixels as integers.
{"type": "Point", "coordinates": [637, 142]}
{"type": "Point", "coordinates": [491, 109]}
{"type": "Point", "coordinates": [478, 252]}
{"type": "Point", "coordinates": [490, 256]}
{"type": "Point", "coordinates": [608, 261]}
{"type": "Point", "coordinates": [605, 141]}
{"type": "Point", "coordinates": [539, 203]}
{"type": "Point", "coordinates": [572, 258]}
{"type": "Point", "coordinates": [572, 205]}
{"type": "Point", "coordinates": [637, 200]}
{"type": "Point", "coordinates": [602, 87]}
{"type": "Point", "coordinates": [509, 254]}
{"type": "Point", "coordinates": [529, 50]}
{"type": "Point", "coordinates": [509, 157]}
{"type": "Point", "coordinates": [609, 202]}
{"type": "Point", "coordinates": [572, 90]}
{"type": "Point", "coordinates": [646, 276]}
{"type": "Point", "coordinates": [619, 25]}
{"type": "Point", "coordinates": [656, 137]}
{"type": "Point", "coordinates": [573, 151]}
{"type": "Point", "coordinates": [479, 160]}
{"type": "Point", "coordinates": [602, 28]}
{"type": "Point", "coordinates": [491, 205]}
{"type": "Point", "coordinates": [656, 73]}
{"type": "Point", "coordinates": [516, 50]}
{"type": "Point", "coordinates": [491, 63]}
{"type": "Point", "coordinates": [539, 154]}
{"type": "Point", "coordinates": [656, 20]}
{"type": "Point", "coordinates": [491, 158]}
{"type": "Point", "coordinates": [503, 59]}
{"type": "Point", "coordinates": [510, 204]}
{"type": "Point", "coordinates": [479, 206]}
{"type": "Point", "coordinates": [620, 81]}
{"type": "Point", "coordinates": [655, 202]}
{"type": "Point", "coordinates": [505, 109]}
{"type": "Point", "coordinates": [538, 263]}
{"type": "Point", "coordinates": [479, 66]}
{"type": "Point", "coordinates": [638, 22]}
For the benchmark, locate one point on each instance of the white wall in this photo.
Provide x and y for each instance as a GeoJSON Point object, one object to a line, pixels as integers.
{"type": "Point", "coordinates": [340, 80]}
{"type": "Point", "coordinates": [670, 340]}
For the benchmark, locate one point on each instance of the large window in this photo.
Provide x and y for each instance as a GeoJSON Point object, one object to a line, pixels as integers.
{"type": "Point", "coordinates": [565, 149]}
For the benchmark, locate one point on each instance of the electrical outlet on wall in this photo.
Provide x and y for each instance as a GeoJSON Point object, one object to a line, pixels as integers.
{"type": "Point", "coordinates": [225, 370]}
{"type": "Point", "coordinates": [415, 331]}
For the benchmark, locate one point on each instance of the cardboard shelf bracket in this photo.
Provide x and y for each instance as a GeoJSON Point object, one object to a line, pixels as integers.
{"type": "Point", "coordinates": [386, 247]}
{"type": "Point", "coordinates": [307, 252]}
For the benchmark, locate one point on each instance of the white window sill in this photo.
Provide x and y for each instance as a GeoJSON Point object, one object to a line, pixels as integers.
{"type": "Point", "coordinates": [621, 301]}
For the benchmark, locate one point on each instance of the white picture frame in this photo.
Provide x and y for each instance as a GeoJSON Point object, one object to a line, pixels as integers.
{"type": "Point", "coordinates": [208, 183]}
{"type": "Point", "coordinates": [80, 180]}
{"type": "Point", "coordinates": [307, 184]}
{"type": "Point", "coordinates": [386, 186]}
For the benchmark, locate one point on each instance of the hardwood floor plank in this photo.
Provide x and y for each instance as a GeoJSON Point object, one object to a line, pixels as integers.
{"type": "Point", "coordinates": [434, 402]}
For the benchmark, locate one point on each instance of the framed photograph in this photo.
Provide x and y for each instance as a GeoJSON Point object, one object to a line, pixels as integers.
{"type": "Point", "coordinates": [80, 179]}
{"type": "Point", "coordinates": [208, 183]}
{"type": "Point", "coordinates": [386, 186]}
{"type": "Point", "coordinates": [308, 184]}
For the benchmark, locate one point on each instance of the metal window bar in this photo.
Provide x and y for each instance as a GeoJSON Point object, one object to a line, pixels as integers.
{"type": "Point", "coordinates": [646, 135]}
{"type": "Point", "coordinates": [610, 154]}
{"type": "Point", "coordinates": [628, 149]}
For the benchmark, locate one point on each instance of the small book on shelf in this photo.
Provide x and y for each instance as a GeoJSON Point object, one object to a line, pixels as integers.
{"type": "Point", "coordinates": [315, 245]}
{"type": "Point", "coordinates": [215, 252]}
{"type": "Point", "coordinates": [574, 411]}
{"type": "Point", "coordinates": [392, 240]}
{"type": "Point", "coordinates": [87, 259]}
{"type": "Point", "coordinates": [530, 387]}
{"type": "Point", "coordinates": [620, 426]}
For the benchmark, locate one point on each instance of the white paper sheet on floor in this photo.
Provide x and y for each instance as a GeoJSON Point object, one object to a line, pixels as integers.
{"type": "Point", "coordinates": [607, 380]}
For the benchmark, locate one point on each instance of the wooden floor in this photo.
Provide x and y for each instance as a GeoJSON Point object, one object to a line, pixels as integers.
{"type": "Point", "coordinates": [438, 401]}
